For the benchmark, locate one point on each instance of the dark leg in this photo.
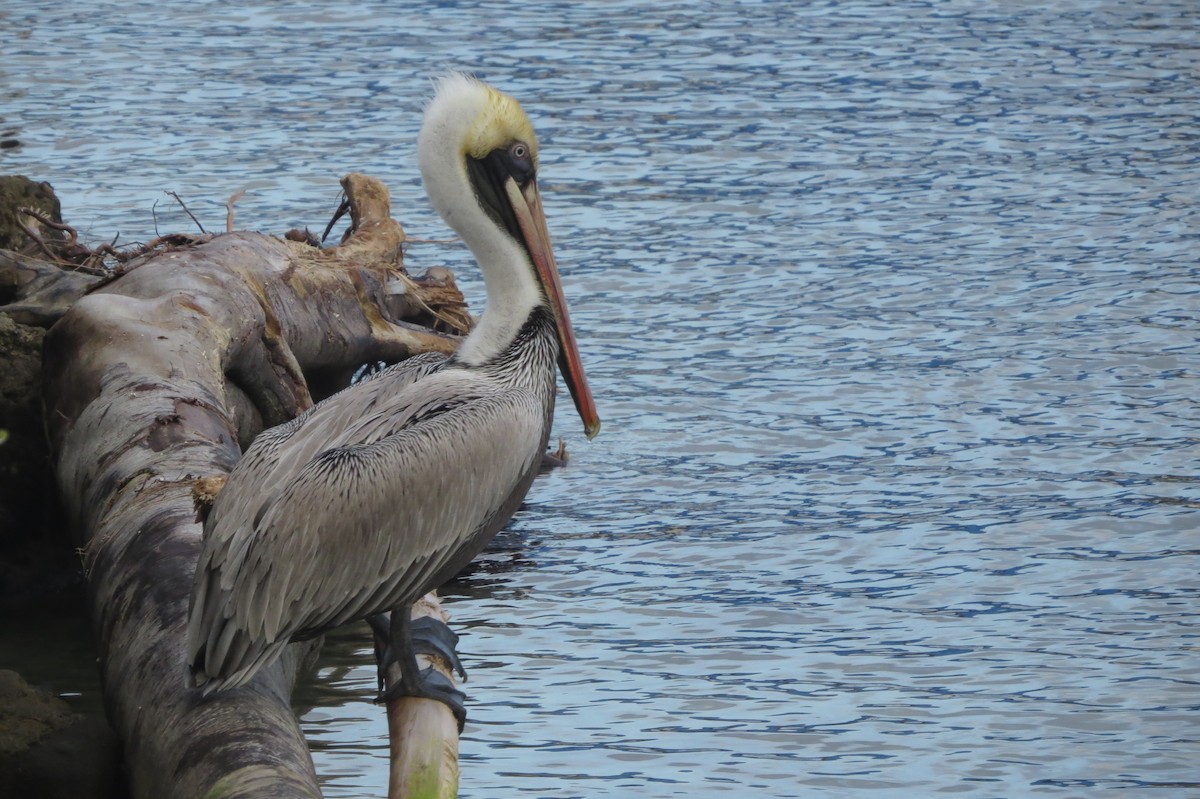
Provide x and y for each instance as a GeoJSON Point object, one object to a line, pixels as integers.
{"type": "Point", "coordinates": [381, 625]}
{"type": "Point", "coordinates": [405, 639]}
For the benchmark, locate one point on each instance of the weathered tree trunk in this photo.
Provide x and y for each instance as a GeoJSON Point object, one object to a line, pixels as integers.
{"type": "Point", "coordinates": [155, 380]}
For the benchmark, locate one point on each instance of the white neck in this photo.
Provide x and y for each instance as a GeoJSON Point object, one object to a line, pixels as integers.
{"type": "Point", "coordinates": [512, 288]}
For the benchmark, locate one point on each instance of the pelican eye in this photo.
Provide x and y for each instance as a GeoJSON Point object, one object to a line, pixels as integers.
{"type": "Point", "coordinates": [518, 159]}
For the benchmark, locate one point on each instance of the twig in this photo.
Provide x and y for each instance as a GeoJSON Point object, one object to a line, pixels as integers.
{"type": "Point", "coordinates": [109, 250]}
{"type": "Point", "coordinates": [69, 253]}
{"type": "Point", "coordinates": [414, 289]}
{"type": "Point", "coordinates": [229, 209]}
{"type": "Point", "coordinates": [35, 236]}
{"type": "Point", "coordinates": [186, 211]}
{"type": "Point", "coordinates": [50, 223]}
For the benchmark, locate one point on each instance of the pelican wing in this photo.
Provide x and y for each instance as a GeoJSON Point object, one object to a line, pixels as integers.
{"type": "Point", "coordinates": [359, 528]}
{"type": "Point", "coordinates": [264, 454]}
{"type": "Point", "coordinates": [276, 454]}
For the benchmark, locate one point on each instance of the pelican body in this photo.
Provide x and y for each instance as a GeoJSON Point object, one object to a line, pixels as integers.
{"type": "Point", "coordinates": [377, 495]}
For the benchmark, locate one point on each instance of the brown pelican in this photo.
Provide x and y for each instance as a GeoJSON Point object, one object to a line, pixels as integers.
{"type": "Point", "coordinates": [382, 492]}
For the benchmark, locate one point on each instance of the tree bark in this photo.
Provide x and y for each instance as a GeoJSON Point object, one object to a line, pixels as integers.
{"type": "Point", "coordinates": [157, 379]}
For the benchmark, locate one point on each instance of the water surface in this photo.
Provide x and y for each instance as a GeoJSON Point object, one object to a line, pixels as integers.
{"type": "Point", "coordinates": [890, 311]}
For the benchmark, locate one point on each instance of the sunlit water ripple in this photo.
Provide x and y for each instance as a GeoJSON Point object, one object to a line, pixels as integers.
{"type": "Point", "coordinates": [890, 310]}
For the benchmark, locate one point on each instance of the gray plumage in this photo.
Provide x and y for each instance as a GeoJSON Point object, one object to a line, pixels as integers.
{"type": "Point", "coordinates": [365, 502]}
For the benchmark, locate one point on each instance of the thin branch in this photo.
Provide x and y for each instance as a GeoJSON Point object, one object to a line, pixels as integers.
{"type": "Point", "coordinates": [50, 223]}
{"type": "Point", "coordinates": [186, 211]}
{"type": "Point", "coordinates": [237, 195]}
{"type": "Point", "coordinates": [35, 237]}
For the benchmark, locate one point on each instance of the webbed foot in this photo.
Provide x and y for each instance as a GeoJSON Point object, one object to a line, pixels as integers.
{"type": "Point", "coordinates": [406, 638]}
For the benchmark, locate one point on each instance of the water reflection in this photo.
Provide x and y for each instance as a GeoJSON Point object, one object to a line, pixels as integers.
{"type": "Point", "coordinates": [890, 312]}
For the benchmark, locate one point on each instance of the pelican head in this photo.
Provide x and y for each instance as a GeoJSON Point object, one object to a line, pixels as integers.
{"type": "Point", "coordinates": [479, 158]}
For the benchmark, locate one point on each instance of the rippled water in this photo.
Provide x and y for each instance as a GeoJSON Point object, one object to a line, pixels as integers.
{"type": "Point", "coordinates": [891, 313]}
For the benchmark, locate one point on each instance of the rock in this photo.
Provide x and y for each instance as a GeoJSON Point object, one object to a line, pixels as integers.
{"type": "Point", "coordinates": [49, 752]}
{"type": "Point", "coordinates": [18, 191]}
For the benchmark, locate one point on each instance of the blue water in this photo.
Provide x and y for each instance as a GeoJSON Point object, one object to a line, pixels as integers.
{"type": "Point", "coordinates": [890, 310]}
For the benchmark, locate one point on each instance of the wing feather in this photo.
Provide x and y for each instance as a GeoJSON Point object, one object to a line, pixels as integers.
{"type": "Point", "coordinates": [267, 464]}
{"type": "Point", "coordinates": [357, 528]}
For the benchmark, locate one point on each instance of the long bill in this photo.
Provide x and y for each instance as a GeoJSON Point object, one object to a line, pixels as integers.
{"type": "Point", "coordinates": [527, 206]}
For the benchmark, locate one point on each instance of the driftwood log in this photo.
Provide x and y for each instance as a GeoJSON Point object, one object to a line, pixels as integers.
{"type": "Point", "coordinates": [157, 380]}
